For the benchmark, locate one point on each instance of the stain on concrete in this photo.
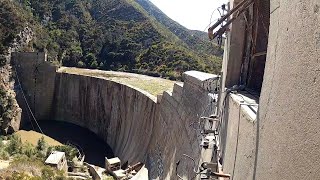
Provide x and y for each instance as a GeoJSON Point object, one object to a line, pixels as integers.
{"type": "Point", "coordinates": [317, 39]}
{"type": "Point", "coordinates": [316, 8]}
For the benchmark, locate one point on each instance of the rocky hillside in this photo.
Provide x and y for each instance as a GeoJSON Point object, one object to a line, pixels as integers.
{"type": "Point", "coordinates": [14, 36]}
{"type": "Point", "coordinates": [195, 40]}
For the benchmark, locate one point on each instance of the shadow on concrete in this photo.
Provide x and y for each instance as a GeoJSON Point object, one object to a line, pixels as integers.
{"type": "Point", "coordinates": [257, 147]}
{"type": "Point", "coordinates": [94, 148]}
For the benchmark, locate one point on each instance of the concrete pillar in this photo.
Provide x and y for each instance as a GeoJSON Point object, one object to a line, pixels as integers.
{"type": "Point", "coordinates": [232, 61]}
{"type": "Point", "coordinates": [288, 124]}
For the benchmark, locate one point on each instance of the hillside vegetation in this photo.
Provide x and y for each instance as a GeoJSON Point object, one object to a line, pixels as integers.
{"type": "Point", "coordinates": [26, 161]}
{"type": "Point", "coordinates": [120, 35]}
{"type": "Point", "coordinates": [195, 40]}
{"type": "Point", "coordinates": [123, 35]}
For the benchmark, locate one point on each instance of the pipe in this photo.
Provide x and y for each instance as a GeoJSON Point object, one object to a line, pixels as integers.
{"type": "Point", "coordinates": [227, 15]}
{"type": "Point", "coordinates": [223, 28]}
{"type": "Point", "coordinates": [245, 4]}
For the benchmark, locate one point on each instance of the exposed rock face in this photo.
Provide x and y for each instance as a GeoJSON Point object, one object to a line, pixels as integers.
{"type": "Point", "coordinates": [11, 112]}
{"type": "Point", "coordinates": [22, 40]}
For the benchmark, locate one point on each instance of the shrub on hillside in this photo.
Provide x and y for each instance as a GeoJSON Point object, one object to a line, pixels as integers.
{"type": "Point", "coordinates": [42, 148]}
{"type": "Point", "coordinates": [14, 146]}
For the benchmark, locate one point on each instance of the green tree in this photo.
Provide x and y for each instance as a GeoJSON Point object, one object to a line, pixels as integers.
{"type": "Point", "coordinates": [15, 145]}
{"type": "Point", "coordinates": [69, 151]}
{"type": "Point", "coordinates": [28, 150]}
{"type": "Point", "coordinates": [81, 64]}
{"type": "Point", "coordinates": [101, 65]}
{"type": "Point", "coordinates": [94, 64]}
{"type": "Point", "coordinates": [90, 58]}
{"type": "Point", "coordinates": [42, 147]}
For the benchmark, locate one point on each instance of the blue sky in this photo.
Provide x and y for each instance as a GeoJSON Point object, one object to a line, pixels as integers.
{"type": "Point", "coordinates": [193, 14]}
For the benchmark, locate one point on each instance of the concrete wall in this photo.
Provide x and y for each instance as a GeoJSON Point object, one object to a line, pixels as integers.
{"type": "Point", "coordinates": [173, 135]}
{"type": "Point", "coordinates": [37, 77]}
{"type": "Point", "coordinates": [283, 142]}
{"type": "Point", "coordinates": [240, 137]}
{"type": "Point", "coordinates": [235, 48]}
{"type": "Point", "coordinates": [119, 114]}
{"type": "Point", "coordinates": [288, 122]}
{"type": "Point", "coordinates": [137, 126]}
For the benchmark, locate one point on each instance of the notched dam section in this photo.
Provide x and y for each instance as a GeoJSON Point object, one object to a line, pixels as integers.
{"type": "Point", "coordinates": [138, 126]}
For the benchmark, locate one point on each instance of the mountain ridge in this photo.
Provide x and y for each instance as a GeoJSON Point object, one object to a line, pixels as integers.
{"type": "Point", "coordinates": [124, 35]}
{"type": "Point", "coordinates": [193, 38]}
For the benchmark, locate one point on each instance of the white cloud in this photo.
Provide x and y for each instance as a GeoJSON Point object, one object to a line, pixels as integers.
{"type": "Point", "coordinates": [193, 14]}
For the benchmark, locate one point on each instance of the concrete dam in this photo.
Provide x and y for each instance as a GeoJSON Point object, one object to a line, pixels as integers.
{"type": "Point", "coordinates": [138, 126]}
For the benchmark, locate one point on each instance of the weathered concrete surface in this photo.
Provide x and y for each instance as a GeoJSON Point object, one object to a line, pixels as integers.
{"type": "Point", "coordinates": [173, 136]}
{"type": "Point", "coordinates": [240, 136]}
{"type": "Point", "coordinates": [137, 126]}
{"type": "Point", "coordinates": [235, 44]}
{"type": "Point", "coordinates": [288, 122]}
{"type": "Point", "coordinates": [142, 174]}
{"type": "Point", "coordinates": [37, 77]}
{"type": "Point", "coordinates": [117, 113]}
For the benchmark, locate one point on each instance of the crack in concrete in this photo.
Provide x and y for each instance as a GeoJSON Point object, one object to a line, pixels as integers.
{"type": "Point", "coordinates": [275, 9]}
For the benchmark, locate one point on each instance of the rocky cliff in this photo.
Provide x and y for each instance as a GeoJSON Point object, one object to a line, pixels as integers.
{"type": "Point", "coordinates": [10, 112]}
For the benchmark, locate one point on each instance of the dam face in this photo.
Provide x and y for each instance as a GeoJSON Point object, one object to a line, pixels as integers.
{"type": "Point", "coordinates": [120, 115]}
{"type": "Point", "coordinates": [138, 126]}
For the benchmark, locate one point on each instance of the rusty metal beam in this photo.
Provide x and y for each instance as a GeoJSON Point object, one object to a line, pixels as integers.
{"type": "Point", "coordinates": [210, 30]}
{"type": "Point", "coordinates": [224, 27]}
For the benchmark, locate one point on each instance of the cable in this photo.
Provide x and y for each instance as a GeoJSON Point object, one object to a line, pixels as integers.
{"type": "Point", "coordinates": [25, 99]}
{"type": "Point", "coordinates": [210, 24]}
{"type": "Point", "coordinates": [30, 121]}
{"type": "Point", "coordinates": [222, 124]}
{"type": "Point", "coordinates": [221, 15]}
{"type": "Point", "coordinates": [211, 18]}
